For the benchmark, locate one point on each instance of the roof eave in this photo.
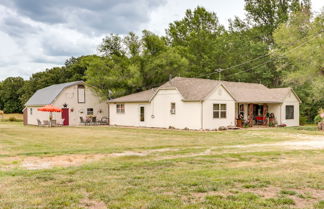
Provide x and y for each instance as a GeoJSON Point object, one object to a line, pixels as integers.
{"type": "Point", "coordinates": [140, 101]}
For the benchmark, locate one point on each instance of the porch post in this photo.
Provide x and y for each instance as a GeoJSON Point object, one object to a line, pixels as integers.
{"type": "Point", "coordinates": [265, 112]}
{"type": "Point", "coordinates": [250, 115]}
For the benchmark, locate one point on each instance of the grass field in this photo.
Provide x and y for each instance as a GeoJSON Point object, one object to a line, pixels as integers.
{"type": "Point", "coordinates": [110, 167]}
{"type": "Point", "coordinates": [12, 116]}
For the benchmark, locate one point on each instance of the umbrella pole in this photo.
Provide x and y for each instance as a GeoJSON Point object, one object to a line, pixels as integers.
{"type": "Point", "coordinates": [50, 119]}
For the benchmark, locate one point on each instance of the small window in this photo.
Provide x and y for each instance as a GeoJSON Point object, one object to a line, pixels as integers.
{"type": "Point", "coordinates": [81, 94]}
{"type": "Point", "coordinates": [219, 110]}
{"type": "Point", "coordinates": [89, 111]}
{"type": "Point", "coordinates": [31, 111]}
{"type": "Point", "coordinates": [142, 114]}
{"type": "Point", "coordinates": [120, 108]}
{"type": "Point", "coordinates": [173, 108]}
{"type": "Point", "coordinates": [289, 111]}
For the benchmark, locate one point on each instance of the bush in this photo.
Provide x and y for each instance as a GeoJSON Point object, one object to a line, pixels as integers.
{"type": "Point", "coordinates": [302, 120]}
{"type": "Point", "coordinates": [317, 119]}
{"type": "Point", "coordinates": [12, 119]}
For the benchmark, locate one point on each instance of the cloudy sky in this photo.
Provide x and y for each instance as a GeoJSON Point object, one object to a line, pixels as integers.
{"type": "Point", "coordinates": [40, 34]}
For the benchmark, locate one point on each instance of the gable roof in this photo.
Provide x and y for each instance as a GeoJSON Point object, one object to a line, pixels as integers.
{"type": "Point", "coordinates": [47, 95]}
{"type": "Point", "coordinates": [197, 89]}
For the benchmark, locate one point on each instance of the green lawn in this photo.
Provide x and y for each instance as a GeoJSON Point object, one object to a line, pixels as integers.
{"type": "Point", "coordinates": [110, 167]}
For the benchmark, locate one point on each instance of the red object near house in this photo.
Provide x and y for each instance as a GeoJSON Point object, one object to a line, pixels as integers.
{"type": "Point", "coordinates": [49, 108]}
{"type": "Point", "coordinates": [260, 118]}
{"type": "Point", "coordinates": [65, 116]}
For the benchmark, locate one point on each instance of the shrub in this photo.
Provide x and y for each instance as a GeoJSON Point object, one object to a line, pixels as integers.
{"type": "Point", "coordinates": [317, 119]}
{"type": "Point", "coordinates": [302, 120]}
{"type": "Point", "coordinates": [12, 119]}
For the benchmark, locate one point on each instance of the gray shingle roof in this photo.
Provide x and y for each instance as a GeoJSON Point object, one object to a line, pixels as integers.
{"type": "Point", "coordinates": [143, 96]}
{"type": "Point", "coordinates": [47, 95]}
{"type": "Point", "coordinates": [196, 89]}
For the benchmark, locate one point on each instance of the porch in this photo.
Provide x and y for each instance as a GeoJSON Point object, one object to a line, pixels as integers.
{"type": "Point", "coordinates": [256, 114]}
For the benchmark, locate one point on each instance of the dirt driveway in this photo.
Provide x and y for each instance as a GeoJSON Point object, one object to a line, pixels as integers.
{"type": "Point", "coordinates": [300, 142]}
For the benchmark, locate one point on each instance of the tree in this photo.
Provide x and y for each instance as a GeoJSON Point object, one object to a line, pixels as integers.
{"type": "Point", "coordinates": [194, 36]}
{"type": "Point", "coordinates": [112, 76]}
{"type": "Point", "coordinates": [10, 93]}
{"type": "Point", "coordinates": [112, 45]}
{"type": "Point", "coordinates": [159, 68]}
{"type": "Point", "coordinates": [267, 15]}
{"type": "Point", "coordinates": [300, 46]}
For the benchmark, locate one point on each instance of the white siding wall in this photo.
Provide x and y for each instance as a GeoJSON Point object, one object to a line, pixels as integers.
{"type": "Point", "coordinates": [69, 96]}
{"type": "Point", "coordinates": [291, 99]}
{"type": "Point", "coordinates": [157, 113]}
{"type": "Point", "coordinates": [218, 96]}
{"type": "Point", "coordinates": [131, 116]}
{"type": "Point", "coordinates": [33, 114]}
{"type": "Point", "coordinates": [276, 110]}
{"type": "Point", "coordinates": [188, 114]}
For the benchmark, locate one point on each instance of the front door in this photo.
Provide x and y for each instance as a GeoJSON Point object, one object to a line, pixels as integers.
{"type": "Point", "coordinates": [65, 116]}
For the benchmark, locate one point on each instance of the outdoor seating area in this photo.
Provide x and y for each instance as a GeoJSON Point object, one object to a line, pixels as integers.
{"type": "Point", "coordinates": [50, 123]}
{"type": "Point", "coordinates": [93, 121]}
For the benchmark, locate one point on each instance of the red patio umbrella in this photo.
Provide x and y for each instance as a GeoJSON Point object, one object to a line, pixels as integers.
{"type": "Point", "coordinates": [49, 108]}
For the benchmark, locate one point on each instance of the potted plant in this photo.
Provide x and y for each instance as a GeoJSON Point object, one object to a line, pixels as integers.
{"type": "Point", "coordinates": [272, 121]}
{"type": "Point", "coordinates": [239, 120]}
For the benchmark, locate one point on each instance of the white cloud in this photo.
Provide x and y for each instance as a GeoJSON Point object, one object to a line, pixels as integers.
{"type": "Point", "coordinates": [38, 34]}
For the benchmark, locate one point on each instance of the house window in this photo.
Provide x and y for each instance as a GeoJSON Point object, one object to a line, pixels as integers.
{"type": "Point", "coordinates": [142, 114]}
{"type": "Point", "coordinates": [289, 111]}
{"type": "Point", "coordinates": [173, 108]}
{"type": "Point", "coordinates": [120, 108]}
{"type": "Point", "coordinates": [81, 94]}
{"type": "Point", "coordinates": [31, 111]}
{"type": "Point", "coordinates": [89, 111]}
{"type": "Point", "coordinates": [219, 110]}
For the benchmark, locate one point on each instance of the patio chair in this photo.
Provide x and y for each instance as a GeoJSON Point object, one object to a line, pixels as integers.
{"type": "Point", "coordinates": [45, 122]}
{"type": "Point", "coordinates": [53, 123]}
{"type": "Point", "coordinates": [93, 121]}
{"type": "Point", "coordinates": [60, 122]}
{"type": "Point", "coordinates": [104, 120]}
{"type": "Point", "coordinates": [39, 123]}
{"type": "Point", "coordinates": [82, 121]}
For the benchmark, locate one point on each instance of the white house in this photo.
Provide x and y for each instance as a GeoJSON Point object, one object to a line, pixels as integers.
{"type": "Point", "coordinates": [205, 104]}
{"type": "Point", "coordinates": [75, 98]}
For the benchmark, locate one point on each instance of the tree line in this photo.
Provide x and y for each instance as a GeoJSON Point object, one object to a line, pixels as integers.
{"type": "Point", "coordinates": [278, 43]}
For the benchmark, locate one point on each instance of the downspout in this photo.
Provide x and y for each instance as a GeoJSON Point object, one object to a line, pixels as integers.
{"type": "Point", "coordinates": [280, 114]}
{"type": "Point", "coordinates": [202, 115]}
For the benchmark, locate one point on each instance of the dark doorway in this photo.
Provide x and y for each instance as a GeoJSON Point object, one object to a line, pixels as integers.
{"type": "Point", "coordinates": [65, 116]}
{"type": "Point", "coordinates": [142, 114]}
{"type": "Point", "coordinates": [257, 110]}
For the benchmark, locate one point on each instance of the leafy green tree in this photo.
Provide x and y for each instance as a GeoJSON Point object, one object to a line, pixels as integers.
{"type": "Point", "coordinates": [159, 68]}
{"type": "Point", "coordinates": [112, 45]}
{"type": "Point", "coordinates": [10, 94]}
{"type": "Point", "coordinates": [112, 77]}
{"type": "Point", "coordinates": [300, 47]}
{"type": "Point", "coordinates": [267, 15]}
{"type": "Point", "coordinates": [195, 36]}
